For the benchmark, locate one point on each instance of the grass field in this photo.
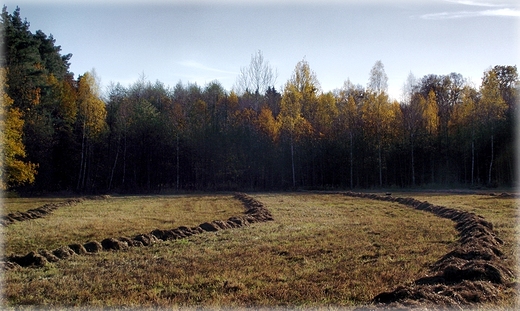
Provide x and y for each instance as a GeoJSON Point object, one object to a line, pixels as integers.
{"type": "Point", "coordinates": [12, 205]}
{"type": "Point", "coordinates": [321, 250]}
{"type": "Point", "coordinates": [502, 212]}
{"type": "Point", "coordinates": [114, 217]}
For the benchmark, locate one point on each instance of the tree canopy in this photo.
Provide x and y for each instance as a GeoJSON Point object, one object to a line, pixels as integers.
{"type": "Point", "coordinates": [60, 132]}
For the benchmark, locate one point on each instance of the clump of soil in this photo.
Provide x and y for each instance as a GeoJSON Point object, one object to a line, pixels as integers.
{"type": "Point", "coordinates": [78, 249]}
{"type": "Point", "coordinates": [113, 244]}
{"type": "Point", "coordinates": [146, 239]}
{"type": "Point", "coordinates": [63, 252]}
{"type": "Point", "coordinates": [472, 273]}
{"type": "Point", "coordinates": [254, 208]}
{"type": "Point", "coordinates": [208, 227]}
{"type": "Point", "coordinates": [48, 255]}
{"type": "Point", "coordinates": [93, 247]}
{"type": "Point", "coordinates": [32, 259]}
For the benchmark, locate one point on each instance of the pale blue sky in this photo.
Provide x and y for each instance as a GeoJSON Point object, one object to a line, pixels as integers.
{"type": "Point", "coordinates": [200, 41]}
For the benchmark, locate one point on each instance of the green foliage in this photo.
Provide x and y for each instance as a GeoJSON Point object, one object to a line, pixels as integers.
{"type": "Point", "coordinates": [148, 137]}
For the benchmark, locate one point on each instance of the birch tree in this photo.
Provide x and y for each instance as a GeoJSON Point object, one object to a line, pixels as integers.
{"type": "Point", "coordinates": [300, 90]}
{"type": "Point", "coordinates": [413, 121]}
{"type": "Point", "coordinates": [377, 116]}
{"type": "Point", "coordinates": [492, 108]}
{"type": "Point", "coordinates": [376, 112]}
{"type": "Point", "coordinates": [91, 120]}
{"type": "Point", "coordinates": [349, 119]}
{"type": "Point", "coordinates": [378, 81]}
{"type": "Point", "coordinates": [256, 78]}
{"type": "Point", "coordinates": [465, 120]}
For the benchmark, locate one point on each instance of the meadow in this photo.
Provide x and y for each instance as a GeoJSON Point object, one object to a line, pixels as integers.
{"type": "Point", "coordinates": [321, 250]}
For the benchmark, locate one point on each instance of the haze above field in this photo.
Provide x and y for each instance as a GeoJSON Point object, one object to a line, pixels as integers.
{"type": "Point", "coordinates": [202, 41]}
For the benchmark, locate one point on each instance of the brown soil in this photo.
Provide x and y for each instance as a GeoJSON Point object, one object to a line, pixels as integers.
{"type": "Point", "coordinates": [255, 211]}
{"type": "Point", "coordinates": [78, 249]}
{"type": "Point", "coordinates": [472, 273]}
{"type": "Point", "coordinates": [63, 252]}
{"type": "Point", "coordinates": [113, 244]}
{"type": "Point", "coordinates": [93, 247]}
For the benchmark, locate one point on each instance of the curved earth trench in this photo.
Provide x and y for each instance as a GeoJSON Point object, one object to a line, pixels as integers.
{"type": "Point", "coordinates": [255, 211]}
{"type": "Point", "coordinates": [472, 273]}
{"type": "Point", "coordinates": [43, 210]}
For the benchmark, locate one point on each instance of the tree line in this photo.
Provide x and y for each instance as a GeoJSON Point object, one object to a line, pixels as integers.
{"type": "Point", "coordinates": [61, 133]}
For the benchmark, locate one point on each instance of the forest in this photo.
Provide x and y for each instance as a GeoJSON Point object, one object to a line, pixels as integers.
{"type": "Point", "coordinates": [61, 133]}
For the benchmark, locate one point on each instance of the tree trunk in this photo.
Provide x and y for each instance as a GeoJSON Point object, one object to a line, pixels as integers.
{"type": "Point", "coordinates": [432, 163]}
{"type": "Point", "coordinates": [82, 160]}
{"type": "Point", "coordinates": [148, 171]}
{"type": "Point", "coordinates": [124, 163]}
{"type": "Point", "coordinates": [178, 176]}
{"type": "Point", "coordinates": [113, 168]}
{"type": "Point", "coordinates": [292, 163]}
{"type": "Point", "coordinates": [413, 163]}
{"type": "Point", "coordinates": [85, 162]}
{"type": "Point", "coordinates": [351, 162]}
{"type": "Point", "coordinates": [472, 161]}
{"type": "Point", "coordinates": [380, 167]}
{"type": "Point", "coordinates": [492, 158]}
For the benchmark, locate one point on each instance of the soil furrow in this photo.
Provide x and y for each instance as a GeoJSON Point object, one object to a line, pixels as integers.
{"type": "Point", "coordinates": [470, 274]}
{"type": "Point", "coordinates": [43, 210]}
{"type": "Point", "coordinates": [255, 211]}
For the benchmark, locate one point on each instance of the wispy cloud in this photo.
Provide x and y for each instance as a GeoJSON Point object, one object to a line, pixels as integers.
{"type": "Point", "coordinates": [505, 12]}
{"type": "Point", "coordinates": [476, 3]}
{"type": "Point", "coordinates": [197, 65]}
{"type": "Point", "coordinates": [478, 9]}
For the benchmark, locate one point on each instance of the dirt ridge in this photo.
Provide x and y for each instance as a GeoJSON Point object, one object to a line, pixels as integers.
{"type": "Point", "coordinates": [472, 273]}
{"type": "Point", "coordinates": [44, 210]}
{"type": "Point", "coordinates": [255, 211]}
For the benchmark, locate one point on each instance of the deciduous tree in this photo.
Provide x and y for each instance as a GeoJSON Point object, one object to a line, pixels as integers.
{"type": "Point", "coordinates": [378, 81]}
{"type": "Point", "coordinates": [14, 169]}
{"type": "Point", "coordinates": [492, 108]}
{"type": "Point", "coordinates": [298, 96]}
{"type": "Point", "coordinates": [257, 77]}
{"type": "Point", "coordinates": [91, 120]}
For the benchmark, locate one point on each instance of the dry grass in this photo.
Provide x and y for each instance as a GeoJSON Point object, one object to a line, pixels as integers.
{"type": "Point", "coordinates": [321, 250]}
{"type": "Point", "coordinates": [502, 212]}
{"type": "Point", "coordinates": [115, 217]}
{"type": "Point", "coordinates": [11, 205]}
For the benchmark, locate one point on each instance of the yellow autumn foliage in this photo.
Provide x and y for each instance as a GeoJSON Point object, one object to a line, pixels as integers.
{"type": "Point", "coordinates": [14, 171]}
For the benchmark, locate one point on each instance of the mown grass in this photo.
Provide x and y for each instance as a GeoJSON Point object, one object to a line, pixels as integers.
{"type": "Point", "coordinates": [115, 217]}
{"type": "Point", "coordinates": [321, 250]}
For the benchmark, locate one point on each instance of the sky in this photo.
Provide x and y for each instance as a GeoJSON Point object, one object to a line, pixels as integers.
{"type": "Point", "coordinates": [200, 41]}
